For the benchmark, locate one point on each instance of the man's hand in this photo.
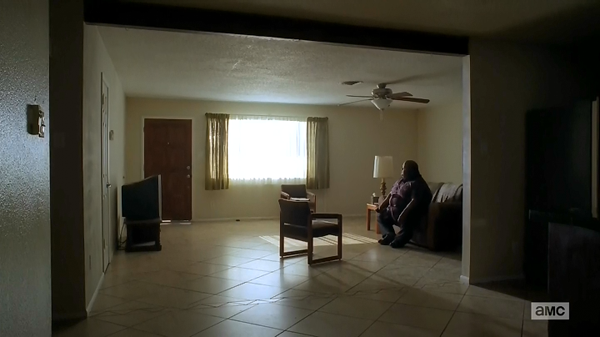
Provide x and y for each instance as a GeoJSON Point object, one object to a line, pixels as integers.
{"type": "Point", "coordinates": [378, 210]}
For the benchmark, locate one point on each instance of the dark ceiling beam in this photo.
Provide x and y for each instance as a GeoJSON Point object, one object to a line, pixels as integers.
{"type": "Point", "coordinates": [117, 13]}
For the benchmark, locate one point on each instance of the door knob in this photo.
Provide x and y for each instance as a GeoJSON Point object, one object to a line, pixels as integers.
{"type": "Point", "coordinates": [188, 167]}
{"type": "Point", "coordinates": [108, 185]}
{"type": "Point", "coordinates": [188, 175]}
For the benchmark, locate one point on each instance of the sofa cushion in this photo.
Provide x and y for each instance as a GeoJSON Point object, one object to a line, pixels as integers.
{"type": "Point", "coordinates": [449, 193]}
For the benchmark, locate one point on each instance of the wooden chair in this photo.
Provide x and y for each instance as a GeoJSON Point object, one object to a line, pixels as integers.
{"type": "Point", "coordinates": [297, 222]}
{"type": "Point", "coordinates": [291, 192]}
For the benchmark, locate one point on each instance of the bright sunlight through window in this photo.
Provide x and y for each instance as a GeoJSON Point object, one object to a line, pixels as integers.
{"type": "Point", "coordinates": [267, 150]}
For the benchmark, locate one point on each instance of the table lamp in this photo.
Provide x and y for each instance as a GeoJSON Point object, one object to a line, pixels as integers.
{"type": "Point", "coordinates": [383, 168]}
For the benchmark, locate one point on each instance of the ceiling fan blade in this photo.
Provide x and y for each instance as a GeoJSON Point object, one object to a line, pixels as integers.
{"type": "Point", "coordinates": [359, 96]}
{"type": "Point", "coordinates": [362, 100]}
{"type": "Point", "coordinates": [400, 94]}
{"type": "Point", "coordinates": [412, 99]}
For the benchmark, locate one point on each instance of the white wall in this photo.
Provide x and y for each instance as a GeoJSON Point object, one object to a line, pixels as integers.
{"type": "Point", "coordinates": [439, 142]}
{"type": "Point", "coordinates": [25, 289]}
{"type": "Point", "coordinates": [506, 80]}
{"type": "Point", "coordinates": [96, 62]}
{"type": "Point", "coordinates": [356, 136]}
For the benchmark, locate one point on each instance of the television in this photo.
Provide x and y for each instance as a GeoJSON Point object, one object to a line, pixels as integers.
{"type": "Point", "coordinates": [142, 200]}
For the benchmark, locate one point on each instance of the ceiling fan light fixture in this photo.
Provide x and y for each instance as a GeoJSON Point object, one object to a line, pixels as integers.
{"type": "Point", "coordinates": [381, 103]}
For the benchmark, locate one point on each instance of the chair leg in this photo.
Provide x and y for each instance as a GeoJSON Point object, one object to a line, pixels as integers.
{"type": "Point", "coordinates": [281, 248]}
{"type": "Point", "coordinates": [310, 249]}
{"type": "Point", "coordinates": [339, 247]}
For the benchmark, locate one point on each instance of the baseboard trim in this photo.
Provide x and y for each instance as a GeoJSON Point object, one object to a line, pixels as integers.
{"type": "Point", "coordinates": [495, 279]}
{"type": "Point", "coordinates": [464, 279]}
{"type": "Point", "coordinates": [259, 218]}
{"type": "Point", "coordinates": [93, 300]}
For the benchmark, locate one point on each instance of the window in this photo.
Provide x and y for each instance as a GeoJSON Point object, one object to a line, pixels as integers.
{"type": "Point", "coordinates": [267, 150]}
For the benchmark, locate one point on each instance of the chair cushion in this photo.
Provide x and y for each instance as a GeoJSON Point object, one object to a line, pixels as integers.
{"type": "Point", "coordinates": [295, 191]}
{"type": "Point", "coordinates": [320, 228]}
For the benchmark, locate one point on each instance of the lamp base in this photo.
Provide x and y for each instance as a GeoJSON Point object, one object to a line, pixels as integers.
{"type": "Point", "coordinates": [382, 187]}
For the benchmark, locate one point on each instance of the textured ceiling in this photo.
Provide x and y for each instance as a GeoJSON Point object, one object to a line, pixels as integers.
{"type": "Point", "coordinates": [540, 20]}
{"type": "Point", "coordinates": [235, 68]}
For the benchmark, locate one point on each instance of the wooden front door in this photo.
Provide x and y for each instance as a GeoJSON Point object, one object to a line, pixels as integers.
{"type": "Point", "coordinates": [168, 152]}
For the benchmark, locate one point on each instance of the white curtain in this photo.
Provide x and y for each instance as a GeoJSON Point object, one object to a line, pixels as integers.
{"type": "Point", "coordinates": [267, 150]}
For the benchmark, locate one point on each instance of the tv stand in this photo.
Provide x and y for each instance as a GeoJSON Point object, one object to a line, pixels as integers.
{"type": "Point", "coordinates": [143, 235]}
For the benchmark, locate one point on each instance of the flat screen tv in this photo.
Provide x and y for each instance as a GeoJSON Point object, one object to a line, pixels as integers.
{"type": "Point", "coordinates": [142, 200]}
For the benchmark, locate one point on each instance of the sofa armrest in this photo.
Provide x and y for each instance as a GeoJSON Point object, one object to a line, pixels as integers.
{"type": "Point", "coordinates": [444, 225]}
{"type": "Point", "coordinates": [284, 195]}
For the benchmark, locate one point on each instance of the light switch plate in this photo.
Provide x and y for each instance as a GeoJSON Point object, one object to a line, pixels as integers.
{"type": "Point", "coordinates": [35, 121]}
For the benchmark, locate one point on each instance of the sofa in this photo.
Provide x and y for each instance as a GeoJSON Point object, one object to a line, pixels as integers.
{"type": "Point", "coordinates": [441, 229]}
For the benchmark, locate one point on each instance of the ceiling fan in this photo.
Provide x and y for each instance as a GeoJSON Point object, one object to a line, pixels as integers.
{"type": "Point", "coordinates": [382, 96]}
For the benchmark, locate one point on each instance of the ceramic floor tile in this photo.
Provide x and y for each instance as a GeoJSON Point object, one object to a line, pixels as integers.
{"type": "Point", "coordinates": [303, 299]}
{"type": "Point", "coordinates": [384, 295]}
{"type": "Point", "coordinates": [273, 315]}
{"type": "Point", "coordinates": [89, 328]}
{"type": "Point", "coordinates": [210, 285]}
{"type": "Point", "coordinates": [251, 291]}
{"type": "Point", "coordinates": [356, 307]}
{"type": "Point", "coordinates": [217, 300]}
{"type": "Point", "coordinates": [131, 290]}
{"type": "Point", "coordinates": [104, 302]}
{"type": "Point", "coordinates": [178, 323]}
{"type": "Point", "coordinates": [292, 334]}
{"type": "Point", "coordinates": [223, 311]}
{"type": "Point", "coordinates": [263, 265]}
{"type": "Point", "coordinates": [458, 288]}
{"type": "Point", "coordinates": [429, 299]}
{"type": "Point", "coordinates": [203, 269]}
{"type": "Point", "coordinates": [325, 325]}
{"type": "Point", "coordinates": [483, 292]}
{"type": "Point", "coordinates": [380, 329]}
{"type": "Point", "coordinates": [280, 279]}
{"type": "Point", "coordinates": [302, 269]}
{"type": "Point", "coordinates": [224, 270]}
{"type": "Point", "coordinates": [471, 325]}
{"type": "Point", "coordinates": [419, 317]}
{"type": "Point", "coordinates": [167, 278]}
{"type": "Point", "coordinates": [133, 333]}
{"type": "Point", "coordinates": [240, 274]}
{"type": "Point", "coordinates": [495, 307]}
{"type": "Point", "coordinates": [228, 260]}
{"type": "Point", "coordinates": [230, 328]}
{"type": "Point", "coordinates": [131, 313]}
{"type": "Point", "coordinates": [174, 298]}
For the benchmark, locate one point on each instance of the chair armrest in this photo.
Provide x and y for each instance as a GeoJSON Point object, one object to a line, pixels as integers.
{"type": "Point", "coordinates": [285, 196]}
{"type": "Point", "coordinates": [311, 195]}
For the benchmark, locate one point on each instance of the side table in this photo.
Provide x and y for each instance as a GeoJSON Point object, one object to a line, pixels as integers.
{"type": "Point", "coordinates": [371, 207]}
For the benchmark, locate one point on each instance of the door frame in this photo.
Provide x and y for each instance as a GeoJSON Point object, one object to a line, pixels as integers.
{"type": "Point", "coordinates": [192, 120]}
{"type": "Point", "coordinates": [105, 151]}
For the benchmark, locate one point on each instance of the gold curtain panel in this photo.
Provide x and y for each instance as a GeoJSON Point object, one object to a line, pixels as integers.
{"type": "Point", "coordinates": [216, 175]}
{"type": "Point", "coordinates": [317, 173]}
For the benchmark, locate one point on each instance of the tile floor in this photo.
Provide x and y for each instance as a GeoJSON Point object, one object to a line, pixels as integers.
{"type": "Point", "coordinates": [221, 279]}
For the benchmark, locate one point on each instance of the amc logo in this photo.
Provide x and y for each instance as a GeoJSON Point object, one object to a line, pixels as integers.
{"type": "Point", "coordinates": [549, 311]}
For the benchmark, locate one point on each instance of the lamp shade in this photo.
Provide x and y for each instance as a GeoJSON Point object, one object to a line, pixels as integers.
{"type": "Point", "coordinates": [383, 167]}
{"type": "Point", "coordinates": [381, 103]}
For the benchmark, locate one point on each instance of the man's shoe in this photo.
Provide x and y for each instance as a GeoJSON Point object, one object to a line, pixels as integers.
{"type": "Point", "coordinates": [396, 244]}
{"type": "Point", "coordinates": [387, 239]}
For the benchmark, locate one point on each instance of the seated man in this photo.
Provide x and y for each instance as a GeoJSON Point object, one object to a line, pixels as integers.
{"type": "Point", "coordinates": [404, 207]}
